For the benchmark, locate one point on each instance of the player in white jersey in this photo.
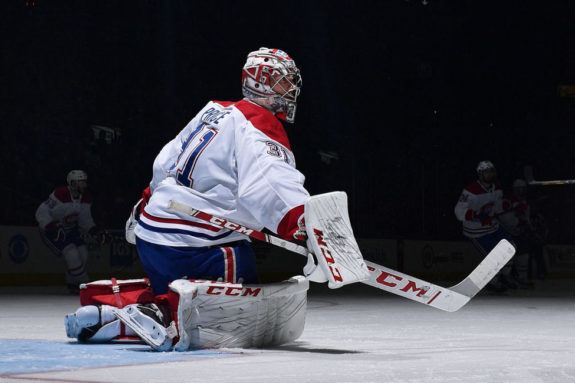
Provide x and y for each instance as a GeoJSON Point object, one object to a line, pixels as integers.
{"type": "Point", "coordinates": [478, 205]}
{"type": "Point", "coordinates": [517, 222]}
{"type": "Point", "coordinates": [65, 213]}
{"type": "Point", "coordinates": [233, 160]}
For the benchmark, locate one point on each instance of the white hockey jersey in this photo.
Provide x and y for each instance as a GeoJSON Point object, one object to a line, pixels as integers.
{"type": "Point", "coordinates": [516, 216]}
{"type": "Point", "coordinates": [233, 160]}
{"type": "Point", "coordinates": [70, 213]}
{"type": "Point", "coordinates": [475, 199]}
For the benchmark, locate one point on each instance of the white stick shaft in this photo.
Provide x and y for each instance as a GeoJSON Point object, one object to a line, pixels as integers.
{"type": "Point", "coordinates": [383, 278]}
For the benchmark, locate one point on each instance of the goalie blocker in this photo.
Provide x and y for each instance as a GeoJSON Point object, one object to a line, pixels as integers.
{"type": "Point", "coordinates": [331, 239]}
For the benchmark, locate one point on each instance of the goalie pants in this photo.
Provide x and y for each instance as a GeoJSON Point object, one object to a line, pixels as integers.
{"type": "Point", "coordinates": [164, 264]}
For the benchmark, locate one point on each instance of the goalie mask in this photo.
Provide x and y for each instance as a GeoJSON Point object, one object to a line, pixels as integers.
{"type": "Point", "coordinates": [271, 79]}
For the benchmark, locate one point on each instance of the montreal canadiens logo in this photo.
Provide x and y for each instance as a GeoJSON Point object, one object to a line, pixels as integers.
{"type": "Point", "coordinates": [18, 248]}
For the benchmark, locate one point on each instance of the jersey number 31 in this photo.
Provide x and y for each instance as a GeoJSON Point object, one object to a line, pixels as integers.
{"type": "Point", "coordinates": [192, 147]}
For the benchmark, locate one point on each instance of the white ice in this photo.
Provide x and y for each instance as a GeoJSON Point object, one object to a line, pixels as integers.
{"type": "Point", "coordinates": [355, 334]}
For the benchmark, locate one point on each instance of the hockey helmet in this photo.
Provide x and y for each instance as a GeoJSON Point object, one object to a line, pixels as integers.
{"type": "Point", "coordinates": [484, 165]}
{"type": "Point", "coordinates": [488, 177]}
{"type": "Point", "coordinates": [76, 175]}
{"type": "Point", "coordinates": [271, 78]}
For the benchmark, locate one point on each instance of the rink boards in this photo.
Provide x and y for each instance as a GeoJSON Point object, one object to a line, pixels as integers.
{"type": "Point", "coordinates": [26, 260]}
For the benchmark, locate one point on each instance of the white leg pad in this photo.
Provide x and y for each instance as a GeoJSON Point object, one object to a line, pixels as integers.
{"type": "Point", "coordinates": [218, 315]}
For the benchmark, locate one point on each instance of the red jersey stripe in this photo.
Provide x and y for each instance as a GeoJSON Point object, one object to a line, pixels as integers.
{"type": "Point", "coordinates": [180, 222]}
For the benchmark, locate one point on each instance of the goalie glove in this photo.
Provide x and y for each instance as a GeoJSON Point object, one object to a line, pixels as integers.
{"type": "Point", "coordinates": [332, 241]}
{"type": "Point", "coordinates": [300, 234]}
{"type": "Point", "coordinates": [292, 225]}
{"type": "Point", "coordinates": [132, 221]}
{"type": "Point", "coordinates": [312, 271]}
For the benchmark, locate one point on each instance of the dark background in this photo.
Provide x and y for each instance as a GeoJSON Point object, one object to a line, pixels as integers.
{"type": "Point", "coordinates": [400, 99]}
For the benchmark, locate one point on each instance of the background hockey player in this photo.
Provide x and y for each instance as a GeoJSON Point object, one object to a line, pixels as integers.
{"type": "Point", "coordinates": [233, 160]}
{"type": "Point", "coordinates": [62, 217]}
{"type": "Point", "coordinates": [478, 205]}
{"type": "Point", "coordinates": [525, 228]}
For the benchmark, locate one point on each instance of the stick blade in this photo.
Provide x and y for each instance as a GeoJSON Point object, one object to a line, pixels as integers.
{"type": "Point", "coordinates": [413, 288]}
{"type": "Point", "coordinates": [486, 270]}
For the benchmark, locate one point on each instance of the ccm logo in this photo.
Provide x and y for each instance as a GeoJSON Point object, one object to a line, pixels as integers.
{"type": "Point", "coordinates": [405, 285]}
{"type": "Point", "coordinates": [230, 225]}
{"type": "Point", "coordinates": [233, 291]}
{"type": "Point", "coordinates": [327, 255]}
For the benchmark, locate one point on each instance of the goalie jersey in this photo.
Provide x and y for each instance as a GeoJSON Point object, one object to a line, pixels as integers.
{"type": "Point", "coordinates": [233, 160]}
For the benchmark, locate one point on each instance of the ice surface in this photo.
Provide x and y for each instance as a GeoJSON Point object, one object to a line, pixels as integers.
{"type": "Point", "coordinates": [354, 334]}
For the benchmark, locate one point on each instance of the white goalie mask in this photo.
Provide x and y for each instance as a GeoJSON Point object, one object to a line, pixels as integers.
{"type": "Point", "coordinates": [271, 78]}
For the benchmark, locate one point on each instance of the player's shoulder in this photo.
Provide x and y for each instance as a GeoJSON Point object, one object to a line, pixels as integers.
{"type": "Point", "coordinates": [86, 198]}
{"type": "Point", "coordinates": [62, 194]}
{"type": "Point", "coordinates": [475, 188]}
{"type": "Point", "coordinates": [261, 119]}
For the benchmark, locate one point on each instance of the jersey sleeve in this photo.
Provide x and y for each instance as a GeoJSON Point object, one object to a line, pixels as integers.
{"type": "Point", "coordinates": [164, 161]}
{"type": "Point", "coordinates": [44, 211]}
{"type": "Point", "coordinates": [270, 186]}
{"type": "Point", "coordinates": [462, 210]}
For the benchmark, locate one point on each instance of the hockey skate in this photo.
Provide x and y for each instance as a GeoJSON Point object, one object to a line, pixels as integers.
{"type": "Point", "coordinates": [146, 322]}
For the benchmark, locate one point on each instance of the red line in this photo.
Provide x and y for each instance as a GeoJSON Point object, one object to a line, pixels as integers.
{"type": "Point", "coordinates": [432, 299]}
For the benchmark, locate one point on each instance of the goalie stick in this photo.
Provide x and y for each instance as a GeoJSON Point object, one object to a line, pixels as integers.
{"type": "Point", "coordinates": [528, 174]}
{"type": "Point", "coordinates": [448, 299]}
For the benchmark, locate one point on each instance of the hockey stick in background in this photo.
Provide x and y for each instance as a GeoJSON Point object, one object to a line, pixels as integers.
{"type": "Point", "coordinates": [528, 174]}
{"type": "Point", "coordinates": [447, 299]}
